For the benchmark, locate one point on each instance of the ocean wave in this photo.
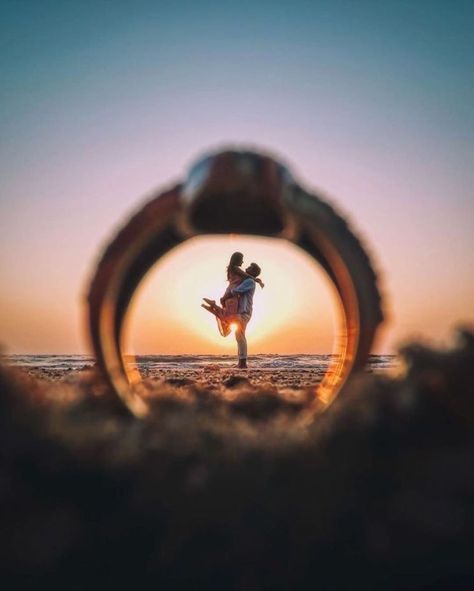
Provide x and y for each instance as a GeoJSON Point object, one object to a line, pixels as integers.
{"type": "Point", "coordinates": [262, 361]}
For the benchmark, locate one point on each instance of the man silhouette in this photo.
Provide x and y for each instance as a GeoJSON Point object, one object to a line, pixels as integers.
{"type": "Point", "coordinates": [245, 291]}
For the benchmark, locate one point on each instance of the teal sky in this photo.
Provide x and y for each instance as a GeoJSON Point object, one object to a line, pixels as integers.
{"type": "Point", "coordinates": [100, 102]}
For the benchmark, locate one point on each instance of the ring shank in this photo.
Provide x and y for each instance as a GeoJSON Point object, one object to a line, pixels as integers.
{"type": "Point", "coordinates": [326, 237]}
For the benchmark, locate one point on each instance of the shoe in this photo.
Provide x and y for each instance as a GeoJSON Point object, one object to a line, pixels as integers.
{"type": "Point", "coordinates": [242, 364]}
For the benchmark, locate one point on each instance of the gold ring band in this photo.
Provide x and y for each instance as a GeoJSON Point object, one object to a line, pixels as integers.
{"type": "Point", "coordinates": [239, 192]}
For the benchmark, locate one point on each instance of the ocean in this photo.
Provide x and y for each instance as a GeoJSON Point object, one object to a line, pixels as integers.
{"type": "Point", "coordinates": [186, 362]}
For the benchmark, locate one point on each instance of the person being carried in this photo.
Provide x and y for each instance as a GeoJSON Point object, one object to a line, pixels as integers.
{"type": "Point", "coordinates": [229, 302]}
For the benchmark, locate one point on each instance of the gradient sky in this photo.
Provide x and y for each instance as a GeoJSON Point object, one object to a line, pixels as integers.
{"type": "Point", "coordinates": [101, 102]}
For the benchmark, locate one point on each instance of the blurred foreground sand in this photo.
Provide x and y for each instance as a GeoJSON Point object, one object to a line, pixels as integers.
{"type": "Point", "coordinates": [221, 488]}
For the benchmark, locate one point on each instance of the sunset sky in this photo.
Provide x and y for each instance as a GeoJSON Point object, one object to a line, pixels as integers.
{"type": "Point", "coordinates": [102, 102]}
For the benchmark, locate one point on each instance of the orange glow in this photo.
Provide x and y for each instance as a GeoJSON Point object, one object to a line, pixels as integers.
{"type": "Point", "coordinates": [295, 312]}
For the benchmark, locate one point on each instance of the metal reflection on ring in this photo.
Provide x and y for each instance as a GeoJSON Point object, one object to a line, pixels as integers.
{"type": "Point", "coordinates": [239, 192]}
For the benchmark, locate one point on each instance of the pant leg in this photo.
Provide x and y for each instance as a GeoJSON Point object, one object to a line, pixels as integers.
{"type": "Point", "coordinates": [242, 320]}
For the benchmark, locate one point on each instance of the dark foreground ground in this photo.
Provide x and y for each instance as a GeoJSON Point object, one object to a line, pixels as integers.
{"type": "Point", "coordinates": [228, 492]}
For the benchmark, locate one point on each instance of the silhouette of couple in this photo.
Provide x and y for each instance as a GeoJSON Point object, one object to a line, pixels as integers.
{"type": "Point", "coordinates": [236, 303]}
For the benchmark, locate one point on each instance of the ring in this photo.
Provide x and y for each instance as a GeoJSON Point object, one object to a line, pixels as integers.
{"type": "Point", "coordinates": [238, 192]}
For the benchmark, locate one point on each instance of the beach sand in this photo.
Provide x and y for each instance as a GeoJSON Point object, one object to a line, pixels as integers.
{"type": "Point", "coordinates": [220, 487]}
{"type": "Point", "coordinates": [212, 376]}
